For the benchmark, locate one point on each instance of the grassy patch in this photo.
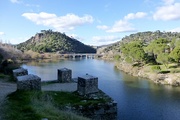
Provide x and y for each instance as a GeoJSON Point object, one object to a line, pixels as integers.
{"type": "Point", "coordinates": [3, 75]}
{"type": "Point", "coordinates": [156, 68]}
{"type": "Point", "coordinates": [35, 105]}
{"type": "Point", "coordinates": [18, 107]}
{"type": "Point", "coordinates": [66, 98]}
{"type": "Point", "coordinates": [175, 70]}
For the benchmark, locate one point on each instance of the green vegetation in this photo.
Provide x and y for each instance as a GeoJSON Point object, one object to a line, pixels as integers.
{"type": "Point", "coordinates": [151, 48]}
{"type": "Point", "coordinates": [117, 57]}
{"type": "Point", "coordinates": [49, 41]}
{"type": "Point", "coordinates": [36, 105]}
{"type": "Point", "coordinates": [156, 68]}
{"type": "Point", "coordinates": [134, 51]}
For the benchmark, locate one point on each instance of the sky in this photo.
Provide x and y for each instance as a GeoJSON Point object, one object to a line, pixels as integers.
{"type": "Point", "coordinates": [96, 23]}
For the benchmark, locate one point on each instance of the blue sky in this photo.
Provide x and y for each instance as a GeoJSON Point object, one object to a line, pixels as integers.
{"type": "Point", "coordinates": [97, 22]}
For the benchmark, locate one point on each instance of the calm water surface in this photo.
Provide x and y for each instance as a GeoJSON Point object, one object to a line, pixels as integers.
{"type": "Point", "coordinates": [137, 98]}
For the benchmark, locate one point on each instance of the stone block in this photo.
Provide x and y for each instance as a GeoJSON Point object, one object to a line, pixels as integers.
{"type": "Point", "coordinates": [87, 84]}
{"type": "Point", "coordinates": [28, 82]}
{"type": "Point", "coordinates": [64, 75]}
{"type": "Point", "coordinates": [19, 72]}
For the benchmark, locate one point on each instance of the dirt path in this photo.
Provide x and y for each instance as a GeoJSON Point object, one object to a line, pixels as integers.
{"type": "Point", "coordinates": [5, 89]}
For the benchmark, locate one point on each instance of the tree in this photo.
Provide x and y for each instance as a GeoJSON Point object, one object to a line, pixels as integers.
{"type": "Point", "coordinates": [157, 47]}
{"type": "Point", "coordinates": [163, 59]}
{"type": "Point", "coordinates": [175, 54]}
{"type": "Point", "coordinates": [134, 50]}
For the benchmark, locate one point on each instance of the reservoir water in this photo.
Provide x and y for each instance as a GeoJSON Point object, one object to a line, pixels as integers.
{"type": "Point", "coordinates": [137, 98]}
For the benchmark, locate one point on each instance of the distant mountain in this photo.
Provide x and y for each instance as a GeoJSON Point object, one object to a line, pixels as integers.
{"type": "Point", "coordinates": [50, 41]}
{"type": "Point", "coordinates": [145, 37]}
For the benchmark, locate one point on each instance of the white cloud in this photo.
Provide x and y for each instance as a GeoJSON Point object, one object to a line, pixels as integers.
{"type": "Point", "coordinates": [1, 33]}
{"type": "Point", "coordinates": [15, 1]}
{"type": "Point", "coordinates": [121, 26]}
{"type": "Point", "coordinates": [102, 27]}
{"type": "Point", "coordinates": [103, 40]}
{"type": "Point", "coordinates": [168, 2]}
{"type": "Point", "coordinates": [60, 23]}
{"type": "Point", "coordinates": [169, 11]}
{"type": "Point", "coordinates": [137, 15]}
{"type": "Point", "coordinates": [175, 29]}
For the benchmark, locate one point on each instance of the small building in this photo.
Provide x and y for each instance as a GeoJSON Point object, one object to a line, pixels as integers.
{"type": "Point", "coordinates": [87, 84]}
{"type": "Point", "coordinates": [64, 75]}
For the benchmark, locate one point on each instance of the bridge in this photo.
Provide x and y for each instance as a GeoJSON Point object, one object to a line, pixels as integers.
{"type": "Point", "coordinates": [82, 55]}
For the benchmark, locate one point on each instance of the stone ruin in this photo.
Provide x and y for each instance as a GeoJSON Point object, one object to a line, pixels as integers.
{"type": "Point", "coordinates": [19, 72]}
{"type": "Point", "coordinates": [64, 75]}
{"type": "Point", "coordinates": [87, 84]}
{"type": "Point", "coordinates": [29, 82]}
{"type": "Point", "coordinates": [26, 81]}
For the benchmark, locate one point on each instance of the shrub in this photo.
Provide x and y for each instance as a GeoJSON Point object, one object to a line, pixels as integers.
{"type": "Point", "coordinates": [156, 68]}
{"type": "Point", "coordinates": [117, 57]}
{"type": "Point", "coordinates": [175, 70]}
{"type": "Point", "coordinates": [128, 60]}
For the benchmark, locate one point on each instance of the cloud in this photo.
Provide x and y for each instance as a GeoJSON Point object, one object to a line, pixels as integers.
{"type": "Point", "coordinates": [15, 1]}
{"type": "Point", "coordinates": [137, 15]}
{"type": "Point", "coordinates": [168, 2]}
{"type": "Point", "coordinates": [175, 29]}
{"type": "Point", "coordinates": [60, 23]}
{"type": "Point", "coordinates": [102, 27]}
{"type": "Point", "coordinates": [169, 11]}
{"type": "Point", "coordinates": [121, 26]}
{"type": "Point", "coordinates": [1, 33]}
{"type": "Point", "coordinates": [102, 40]}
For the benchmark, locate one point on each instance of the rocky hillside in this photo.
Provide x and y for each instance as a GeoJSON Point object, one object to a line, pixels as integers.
{"type": "Point", "coordinates": [145, 37]}
{"type": "Point", "coordinates": [49, 41]}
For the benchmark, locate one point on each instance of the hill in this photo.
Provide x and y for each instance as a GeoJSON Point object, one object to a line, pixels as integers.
{"type": "Point", "coordinates": [49, 41]}
{"type": "Point", "coordinates": [145, 37]}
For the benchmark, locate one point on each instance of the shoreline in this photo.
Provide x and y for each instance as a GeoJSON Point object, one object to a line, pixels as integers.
{"type": "Point", "coordinates": [158, 78]}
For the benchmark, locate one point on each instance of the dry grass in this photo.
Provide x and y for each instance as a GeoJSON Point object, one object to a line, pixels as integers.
{"type": "Point", "coordinates": [9, 52]}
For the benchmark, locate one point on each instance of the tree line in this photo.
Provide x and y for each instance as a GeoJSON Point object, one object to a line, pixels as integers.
{"type": "Point", "coordinates": [159, 51]}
